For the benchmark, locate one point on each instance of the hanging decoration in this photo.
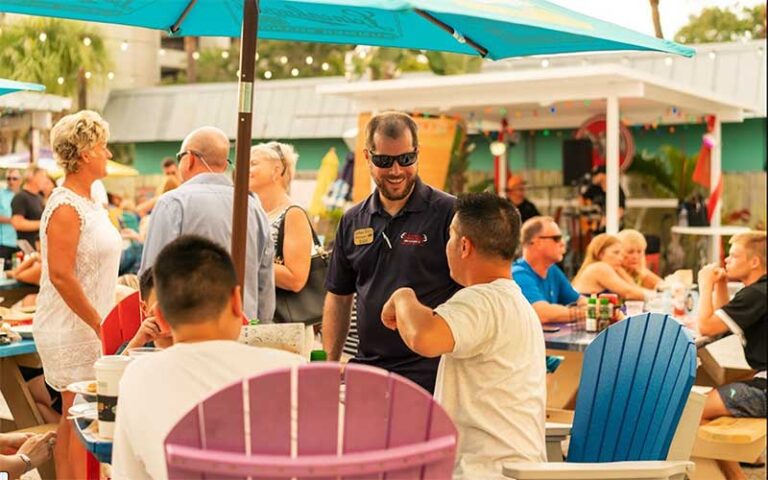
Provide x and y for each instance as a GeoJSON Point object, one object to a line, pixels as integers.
{"type": "Point", "coordinates": [594, 129]}
{"type": "Point", "coordinates": [703, 172]}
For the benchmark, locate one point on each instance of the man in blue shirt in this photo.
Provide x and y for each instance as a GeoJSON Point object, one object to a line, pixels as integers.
{"type": "Point", "coordinates": [7, 232]}
{"type": "Point", "coordinates": [202, 206]}
{"type": "Point", "coordinates": [541, 280]}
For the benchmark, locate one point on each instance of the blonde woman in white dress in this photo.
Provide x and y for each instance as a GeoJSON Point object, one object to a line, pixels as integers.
{"type": "Point", "coordinates": [80, 250]}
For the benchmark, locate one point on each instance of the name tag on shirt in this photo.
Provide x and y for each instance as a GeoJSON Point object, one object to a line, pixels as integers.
{"type": "Point", "coordinates": [364, 236]}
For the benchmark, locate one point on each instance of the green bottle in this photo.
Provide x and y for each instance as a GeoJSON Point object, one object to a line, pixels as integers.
{"type": "Point", "coordinates": [318, 356]}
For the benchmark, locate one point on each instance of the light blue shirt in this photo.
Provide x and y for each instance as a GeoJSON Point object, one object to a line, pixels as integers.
{"type": "Point", "coordinates": [203, 206]}
{"type": "Point", "coordinates": [7, 232]}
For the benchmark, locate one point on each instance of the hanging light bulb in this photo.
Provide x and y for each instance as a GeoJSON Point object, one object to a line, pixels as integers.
{"type": "Point", "coordinates": [87, 41]}
{"type": "Point", "coordinates": [325, 66]}
{"type": "Point", "coordinates": [224, 54]}
{"type": "Point", "coordinates": [88, 75]}
{"type": "Point", "coordinates": [545, 63]}
{"type": "Point", "coordinates": [283, 59]}
{"type": "Point", "coordinates": [294, 72]}
{"type": "Point", "coordinates": [309, 60]}
{"type": "Point", "coordinates": [60, 80]}
{"type": "Point", "coordinates": [124, 46]}
{"type": "Point", "coordinates": [111, 76]}
{"type": "Point", "coordinates": [268, 74]}
{"type": "Point", "coordinates": [196, 55]}
{"type": "Point", "coordinates": [43, 36]}
{"type": "Point", "coordinates": [422, 59]}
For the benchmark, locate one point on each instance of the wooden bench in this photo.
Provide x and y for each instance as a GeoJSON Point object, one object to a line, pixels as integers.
{"type": "Point", "coordinates": [727, 438]}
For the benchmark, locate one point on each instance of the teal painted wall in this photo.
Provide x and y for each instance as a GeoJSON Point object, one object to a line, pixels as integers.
{"type": "Point", "coordinates": [744, 146]}
{"type": "Point", "coordinates": [311, 152]}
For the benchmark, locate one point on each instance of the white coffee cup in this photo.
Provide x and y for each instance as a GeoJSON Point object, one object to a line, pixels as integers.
{"type": "Point", "coordinates": [634, 307]}
{"type": "Point", "coordinates": [109, 370]}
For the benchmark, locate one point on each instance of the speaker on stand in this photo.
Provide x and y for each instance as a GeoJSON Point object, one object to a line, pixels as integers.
{"type": "Point", "coordinates": [576, 168]}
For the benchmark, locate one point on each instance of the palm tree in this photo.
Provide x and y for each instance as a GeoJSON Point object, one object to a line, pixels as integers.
{"type": "Point", "coordinates": [51, 52]}
{"type": "Point", "coordinates": [656, 18]}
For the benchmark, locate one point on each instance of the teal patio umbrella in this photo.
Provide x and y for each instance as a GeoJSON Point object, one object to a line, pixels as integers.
{"type": "Point", "coordinates": [493, 29]}
{"type": "Point", "coordinates": [10, 86]}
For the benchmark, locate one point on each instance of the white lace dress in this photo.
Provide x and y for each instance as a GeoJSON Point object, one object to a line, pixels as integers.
{"type": "Point", "coordinates": [67, 346]}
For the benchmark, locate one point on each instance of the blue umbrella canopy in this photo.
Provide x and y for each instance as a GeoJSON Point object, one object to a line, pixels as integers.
{"type": "Point", "coordinates": [10, 86]}
{"type": "Point", "coordinates": [493, 28]}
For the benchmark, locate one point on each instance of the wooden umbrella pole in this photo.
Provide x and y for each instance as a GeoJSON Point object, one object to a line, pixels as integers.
{"type": "Point", "coordinates": [243, 143]}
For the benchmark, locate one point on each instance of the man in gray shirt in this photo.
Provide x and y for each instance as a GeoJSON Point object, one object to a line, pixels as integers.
{"type": "Point", "coordinates": [203, 205]}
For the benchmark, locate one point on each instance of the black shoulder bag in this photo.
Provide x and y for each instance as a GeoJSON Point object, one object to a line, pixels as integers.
{"type": "Point", "coordinates": [305, 306]}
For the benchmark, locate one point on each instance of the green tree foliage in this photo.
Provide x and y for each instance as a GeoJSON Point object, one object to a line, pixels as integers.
{"type": "Point", "coordinates": [65, 46]}
{"type": "Point", "coordinates": [724, 25]}
{"type": "Point", "coordinates": [670, 171]}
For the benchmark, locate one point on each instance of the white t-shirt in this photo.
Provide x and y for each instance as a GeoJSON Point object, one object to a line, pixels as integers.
{"type": "Point", "coordinates": [493, 384]}
{"type": "Point", "coordinates": [157, 390]}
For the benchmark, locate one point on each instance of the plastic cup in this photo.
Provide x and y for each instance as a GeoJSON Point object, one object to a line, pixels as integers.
{"type": "Point", "coordinates": [634, 307]}
{"type": "Point", "coordinates": [109, 370]}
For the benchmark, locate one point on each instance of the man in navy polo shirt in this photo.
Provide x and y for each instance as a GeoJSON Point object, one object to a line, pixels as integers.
{"type": "Point", "coordinates": [395, 238]}
{"type": "Point", "coordinates": [542, 282]}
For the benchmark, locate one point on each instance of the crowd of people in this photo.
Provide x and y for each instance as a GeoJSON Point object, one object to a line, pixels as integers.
{"type": "Point", "coordinates": [448, 292]}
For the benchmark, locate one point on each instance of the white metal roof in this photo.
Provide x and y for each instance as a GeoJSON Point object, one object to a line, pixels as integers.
{"type": "Point", "coordinates": [576, 93]}
{"type": "Point", "coordinates": [35, 101]}
{"type": "Point", "coordinates": [282, 109]}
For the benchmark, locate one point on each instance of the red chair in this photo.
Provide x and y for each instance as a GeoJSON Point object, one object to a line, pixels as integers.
{"type": "Point", "coordinates": [121, 324]}
{"type": "Point", "coordinates": [652, 261]}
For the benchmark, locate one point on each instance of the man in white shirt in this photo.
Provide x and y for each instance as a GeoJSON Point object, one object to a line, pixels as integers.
{"type": "Point", "coordinates": [491, 378]}
{"type": "Point", "coordinates": [199, 298]}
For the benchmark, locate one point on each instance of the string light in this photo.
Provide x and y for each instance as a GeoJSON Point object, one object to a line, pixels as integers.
{"type": "Point", "coordinates": [124, 46]}
{"type": "Point", "coordinates": [545, 63]}
{"type": "Point", "coordinates": [712, 55]}
{"type": "Point", "coordinates": [60, 80]}
{"type": "Point", "coordinates": [422, 59]}
{"type": "Point", "coordinates": [111, 76]}
{"type": "Point", "coordinates": [43, 36]}
{"type": "Point", "coordinates": [309, 60]}
{"type": "Point", "coordinates": [294, 72]}
{"type": "Point", "coordinates": [268, 74]}
{"type": "Point", "coordinates": [224, 54]}
{"type": "Point", "coordinates": [88, 75]}
{"type": "Point", "coordinates": [283, 59]}
{"type": "Point", "coordinates": [196, 55]}
{"type": "Point", "coordinates": [325, 66]}
{"type": "Point", "coordinates": [256, 57]}
{"type": "Point", "coordinates": [87, 41]}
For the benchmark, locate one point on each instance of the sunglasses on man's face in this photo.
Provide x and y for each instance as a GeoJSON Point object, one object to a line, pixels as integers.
{"type": "Point", "coordinates": [12, 178]}
{"type": "Point", "coordinates": [386, 161]}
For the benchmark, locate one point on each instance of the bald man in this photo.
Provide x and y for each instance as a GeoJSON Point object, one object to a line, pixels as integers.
{"type": "Point", "coordinates": [516, 194]}
{"type": "Point", "coordinates": [203, 205]}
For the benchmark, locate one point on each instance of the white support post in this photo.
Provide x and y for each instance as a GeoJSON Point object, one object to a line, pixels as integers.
{"type": "Point", "coordinates": [715, 177]}
{"type": "Point", "coordinates": [612, 165]}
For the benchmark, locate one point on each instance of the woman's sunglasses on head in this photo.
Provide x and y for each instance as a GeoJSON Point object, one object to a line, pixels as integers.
{"type": "Point", "coordinates": [386, 161]}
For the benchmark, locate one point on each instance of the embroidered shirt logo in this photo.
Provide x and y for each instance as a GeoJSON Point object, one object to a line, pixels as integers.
{"type": "Point", "coordinates": [413, 239]}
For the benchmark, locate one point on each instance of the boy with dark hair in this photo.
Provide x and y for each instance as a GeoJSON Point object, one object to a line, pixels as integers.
{"type": "Point", "coordinates": [152, 332]}
{"type": "Point", "coordinates": [491, 378]}
{"type": "Point", "coordinates": [198, 295]}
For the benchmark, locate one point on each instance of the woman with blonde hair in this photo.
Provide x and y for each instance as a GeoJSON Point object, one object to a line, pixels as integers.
{"type": "Point", "coordinates": [80, 252]}
{"type": "Point", "coordinates": [273, 166]}
{"type": "Point", "coordinates": [602, 272]}
{"type": "Point", "coordinates": [634, 245]}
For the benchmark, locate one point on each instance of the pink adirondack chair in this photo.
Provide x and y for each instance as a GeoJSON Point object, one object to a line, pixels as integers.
{"type": "Point", "coordinates": [389, 426]}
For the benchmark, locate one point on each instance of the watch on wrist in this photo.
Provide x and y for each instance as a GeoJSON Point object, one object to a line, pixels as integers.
{"type": "Point", "coordinates": [27, 462]}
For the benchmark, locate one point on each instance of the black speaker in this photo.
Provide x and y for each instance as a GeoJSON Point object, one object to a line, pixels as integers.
{"type": "Point", "coordinates": [577, 160]}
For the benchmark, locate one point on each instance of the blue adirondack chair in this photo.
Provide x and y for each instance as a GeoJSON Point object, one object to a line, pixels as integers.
{"type": "Point", "coordinates": [635, 381]}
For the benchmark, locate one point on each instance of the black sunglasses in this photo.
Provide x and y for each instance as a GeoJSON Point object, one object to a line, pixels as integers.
{"type": "Point", "coordinates": [386, 161]}
{"type": "Point", "coordinates": [12, 178]}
